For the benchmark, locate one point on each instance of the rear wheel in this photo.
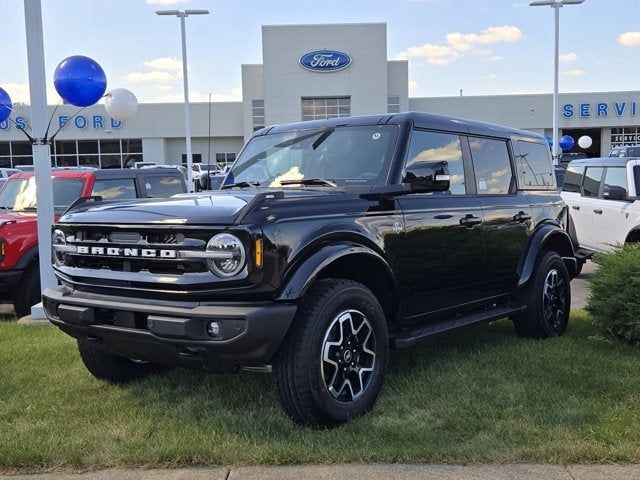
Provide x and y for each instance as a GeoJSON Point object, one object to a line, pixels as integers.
{"type": "Point", "coordinates": [113, 368]}
{"type": "Point", "coordinates": [547, 298]}
{"type": "Point", "coordinates": [331, 367]}
{"type": "Point", "coordinates": [27, 292]}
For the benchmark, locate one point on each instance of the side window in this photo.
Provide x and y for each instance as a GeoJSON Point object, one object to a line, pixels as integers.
{"type": "Point", "coordinates": [534, 166]}
{"type": "Point", "coordinates": [573, 179]}
{"type": "Point", "coordinates": [615, 181]}
{"type": "Point", "coordinates": [432, 146]}
{"type": "Point", "coordinates": [591, 185]}
{"type": "Point", "coordinates": [158, 186]}
{"type": "Point", "coordinates": [491, 165]}
{"type": "Point", "coordinates": [115, 189]}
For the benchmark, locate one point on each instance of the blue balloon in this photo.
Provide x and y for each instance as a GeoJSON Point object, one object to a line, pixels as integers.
{"type": "Point", "coordinates": [80, 81]}
{"type": "Point", "coordinates": [5, 105]}
{"type": "Point", "coordinates": [566, 142]}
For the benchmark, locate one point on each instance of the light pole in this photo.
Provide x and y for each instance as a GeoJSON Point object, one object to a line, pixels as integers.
{"type": "Point", "coordinates": [41, 153]}
{"type": "Point", "coordinates": [182, 15]}
{"type": "Point", "coordinates": [556, 5]}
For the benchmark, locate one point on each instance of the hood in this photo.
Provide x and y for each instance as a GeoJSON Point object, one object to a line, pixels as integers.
{"type": "Point", "coordinates": [220, 207]}
{"type": "Point", "coordinates": [8, 217]}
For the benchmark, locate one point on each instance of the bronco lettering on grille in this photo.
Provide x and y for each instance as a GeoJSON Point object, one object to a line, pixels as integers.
{"type": "Point", "coordinates": [127, 252]}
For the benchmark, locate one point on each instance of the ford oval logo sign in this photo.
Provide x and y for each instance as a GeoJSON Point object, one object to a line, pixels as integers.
{"type": "Point", "coordinates": [325, 61]}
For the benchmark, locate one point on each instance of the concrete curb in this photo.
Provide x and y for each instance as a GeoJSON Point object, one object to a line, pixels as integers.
{"type": "Point", "coordinates": [360, 472]}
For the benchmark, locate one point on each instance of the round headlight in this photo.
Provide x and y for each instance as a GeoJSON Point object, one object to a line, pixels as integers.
{"type": "Point", "coordinates": [228, 255]}
{"type": "Point", "coordinates": [58, 238]}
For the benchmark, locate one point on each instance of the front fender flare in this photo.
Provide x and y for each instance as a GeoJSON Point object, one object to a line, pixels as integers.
{"type": "Point", "coordinates": [547, 235]}
{"type": "Point", "coordinates": [302, 276]}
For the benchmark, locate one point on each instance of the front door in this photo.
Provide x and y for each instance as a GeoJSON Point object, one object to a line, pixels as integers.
{"type": "Point", "coordinates": [443, 246]}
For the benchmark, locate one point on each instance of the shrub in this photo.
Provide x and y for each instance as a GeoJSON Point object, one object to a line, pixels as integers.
{"type": "Point", "coordinates": [614, 302]}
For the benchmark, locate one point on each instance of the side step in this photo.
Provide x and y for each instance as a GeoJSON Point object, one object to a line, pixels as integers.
{"type": "Point", "coordinates": [408, 337]}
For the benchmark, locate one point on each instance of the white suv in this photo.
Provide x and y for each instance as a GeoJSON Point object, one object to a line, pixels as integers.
{"type": "Point", "coordinates": [604, 208]}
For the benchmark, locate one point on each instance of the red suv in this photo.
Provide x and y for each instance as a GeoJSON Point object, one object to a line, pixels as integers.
{"type": "Point", "coordinates": [19, 270]}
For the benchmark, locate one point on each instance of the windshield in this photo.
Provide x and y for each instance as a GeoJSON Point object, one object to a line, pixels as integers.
{"type": "Point", "coordinates": [19, 194]}
{"type": "Point", "coordinates": [344, 155]}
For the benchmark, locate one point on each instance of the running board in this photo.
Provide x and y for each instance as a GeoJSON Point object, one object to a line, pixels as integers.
{"type": "Point", "coordinates": [406, 338]}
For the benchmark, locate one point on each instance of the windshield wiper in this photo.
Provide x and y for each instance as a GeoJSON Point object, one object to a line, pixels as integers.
{"type": "Point", "coordinates": [241, 185]}
{"type": "Point", "coordinates": [309, 181]}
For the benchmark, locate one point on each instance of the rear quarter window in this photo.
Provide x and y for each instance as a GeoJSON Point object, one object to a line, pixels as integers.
{"type": "Point", "coordinates": [573, 179]}
{"type": "Point", "coordinates": [534, 165]}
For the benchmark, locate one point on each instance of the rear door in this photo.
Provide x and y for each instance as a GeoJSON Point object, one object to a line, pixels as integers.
{"type": "Point", "coordinates": [589, 205]}
{"type": "Point", "coordinates": [507, 213]}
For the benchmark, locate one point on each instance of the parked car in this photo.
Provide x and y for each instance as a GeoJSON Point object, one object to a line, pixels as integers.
{"type": "Point", "coordinates": [559, 173]}
{"type": "Point", "coordinates": [331, 242]}
{"type": "Point", "coordinates": [602, 194]}
{"type": "Point", "coordinates": [19, 269]}
{"type": "Point", "coordinates": [7, 172]}
{"type": "Point", "coordinates": [565, 158]}
{"type": "Point", "coordinates": [626, 151]}
{"type": "Point", "coordinates": [211, 181]}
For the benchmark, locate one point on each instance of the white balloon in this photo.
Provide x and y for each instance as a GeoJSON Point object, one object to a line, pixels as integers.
{"type": "Point", "coordinates": [121, 104]}
{"type": "Point", "coordinates": [585, 141]}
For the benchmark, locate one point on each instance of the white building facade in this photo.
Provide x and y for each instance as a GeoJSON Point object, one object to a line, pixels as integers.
{"type": "Point", "coordinates": [308, 72]}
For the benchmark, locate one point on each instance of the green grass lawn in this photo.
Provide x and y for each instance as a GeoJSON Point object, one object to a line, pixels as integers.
{"type": "Point", "coordinates": [478, 395]}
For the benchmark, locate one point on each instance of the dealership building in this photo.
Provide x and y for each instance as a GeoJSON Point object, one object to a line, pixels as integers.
{"type": "Point", "coordinates": [309, 72]}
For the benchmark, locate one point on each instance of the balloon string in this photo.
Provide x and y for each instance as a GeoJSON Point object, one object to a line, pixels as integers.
{"type": "Point", "coordinates": [67, 123]}
{"type": "Point", "coordinates": [20, 128]}
{"type": "Point", "coordinates": [46, 134]}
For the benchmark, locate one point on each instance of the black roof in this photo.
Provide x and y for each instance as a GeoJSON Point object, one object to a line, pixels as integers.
{"type": "Point", "coordinates": [419, 119]}
{"type": "Point", "coordinates": [601, 162]}
{"type": "Point", "coordinates": [108, 173]}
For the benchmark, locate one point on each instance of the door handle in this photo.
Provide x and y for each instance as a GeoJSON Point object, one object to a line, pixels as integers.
{"type": "Point", "coordinates": [576, 207]}
{"type": "Point", "coordinates": [522, 217]}
{"type": "Point", "coordinates": [469, 221]}
{"type": "Point", "coordinates": [598, 211]}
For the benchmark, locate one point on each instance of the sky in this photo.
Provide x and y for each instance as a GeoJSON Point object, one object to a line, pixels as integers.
{"type": "Point", "coordinates": [483, 47]}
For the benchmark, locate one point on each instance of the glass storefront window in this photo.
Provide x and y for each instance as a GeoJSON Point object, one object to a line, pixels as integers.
{"type": "Point", "coordinates": [322, 108]}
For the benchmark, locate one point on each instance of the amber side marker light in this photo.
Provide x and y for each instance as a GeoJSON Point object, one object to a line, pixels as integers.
{"type": "Point", "coordinates": [257, 253]}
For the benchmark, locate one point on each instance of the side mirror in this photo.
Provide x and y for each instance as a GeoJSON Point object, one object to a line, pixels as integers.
{"type": "Point", "coordinates": [615, 193]}
{"type": "Point", "coordinates": [425, 177]}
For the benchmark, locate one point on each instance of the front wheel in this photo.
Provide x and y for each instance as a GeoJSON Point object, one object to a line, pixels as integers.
{"type": "Point", "coordinates": [547, 298]}
{"type": "Point", "coordinates": [27, 291]}
{"type": "Point", "coordinates": [113, 368]}
{"type": "Point", "coordinates": [331, 366]}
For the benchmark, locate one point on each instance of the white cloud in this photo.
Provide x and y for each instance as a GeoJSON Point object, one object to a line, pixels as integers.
{"type": "Point", "coordinates": [575, 73]}
{"type": "Point", "coordinates": [164, 2]}
{"type": "Point", "coordinates": [629, 39]}
{"type": "Point", "coordinates": [19, 93]}
{"type": "Point", "coordinates": [413, 86]}
{"type": "Point", "coordinates": [151, 78]}
{"type": "Point", "coordinates": [493, 58]}
{"type": "Point", "coordinates": [165, 64]}
{"type": "Point", "coordinates": [458, 44]}
{"type": "Point", "coordinates": [568, 57]}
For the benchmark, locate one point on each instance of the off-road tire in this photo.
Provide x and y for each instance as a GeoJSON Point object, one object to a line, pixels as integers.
{"type": "Point", "coordinates": [535, 323]}
{"type": "Point", "coordinates": [113, 368]}
{"type": "Point", "coordinates": [299, 378]}
{"type": "Point", "coordinates": [27, 292]}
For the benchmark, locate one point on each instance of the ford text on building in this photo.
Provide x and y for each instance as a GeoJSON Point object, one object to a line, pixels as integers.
{"type": "Point", "coordinates": [325, 61]}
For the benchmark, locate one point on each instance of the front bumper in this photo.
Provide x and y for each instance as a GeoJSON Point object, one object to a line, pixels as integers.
{"type": "Point", "coordinates": [173, 333]}
{"type": "Point", "coordinates": [8, 282]}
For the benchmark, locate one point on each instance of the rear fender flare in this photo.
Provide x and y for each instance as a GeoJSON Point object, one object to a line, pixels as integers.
{"type": "Point", "coordinates": [547, 236]}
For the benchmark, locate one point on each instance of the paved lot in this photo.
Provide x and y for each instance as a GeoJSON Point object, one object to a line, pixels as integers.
{"type": "Point", "coordinates": [580, 287]}
{"type": "Point", "coordinates": [363, 472]}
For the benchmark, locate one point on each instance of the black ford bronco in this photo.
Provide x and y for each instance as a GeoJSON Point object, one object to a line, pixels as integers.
{"type": "Point", "coordinates": [329, 243]}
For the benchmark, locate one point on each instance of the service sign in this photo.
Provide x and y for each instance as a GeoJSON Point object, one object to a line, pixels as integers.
{"type": "Point", "coordinates": [325, 61]}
